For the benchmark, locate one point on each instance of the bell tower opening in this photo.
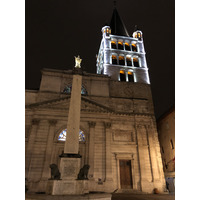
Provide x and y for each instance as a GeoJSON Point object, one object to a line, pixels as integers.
{"type": "Point", "coordinates": [122, 75]}
{"type": "Point", "coordinates": [118, 50]}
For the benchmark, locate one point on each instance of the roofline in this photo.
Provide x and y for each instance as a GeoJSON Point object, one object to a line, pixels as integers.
{"type": "Point", "coordinates": [170, 110]}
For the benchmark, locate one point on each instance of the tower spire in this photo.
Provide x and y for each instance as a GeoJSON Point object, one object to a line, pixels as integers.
{"type": "Point", "coordinates": [116, 24]}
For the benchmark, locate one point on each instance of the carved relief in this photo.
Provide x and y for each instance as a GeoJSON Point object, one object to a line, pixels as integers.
{"type": "Point", "coordinates": [69, 168]}
{"type": "Point", "coordinates": [129, 91]}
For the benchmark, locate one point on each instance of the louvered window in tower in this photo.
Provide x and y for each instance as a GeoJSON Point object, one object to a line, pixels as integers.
{"type": "Point", "coordinates": [121, 60]}
{"type": "Point", "coordinates": [114, 60]}
{"type": "Point", "coordinates": [113, 44]}
{"type": "Point", "coordinates": [127, 46]}
{"type": "Point", "coordinates": [128, 61]}
{"type": "Point", "coordinates": [120, 45]}
{"type": "Point", "coordinates": [134, 47]}
{"type": "Point", "coordinates": [122, 75]}
{"type": "Point", "coordinates": [135, 62]}
{"type": "Point", "coordinates": [130, 77]}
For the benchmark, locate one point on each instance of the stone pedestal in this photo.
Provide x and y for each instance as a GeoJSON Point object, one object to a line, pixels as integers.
{"type": "Point", "coordinates": [69, 168]}
{"type": "Point", "coordinates": [66, 187]}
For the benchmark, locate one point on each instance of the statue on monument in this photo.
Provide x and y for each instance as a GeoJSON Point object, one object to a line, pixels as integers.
{"type": "Point", "coordinates": [83, 173]}
{"type": "Point", "coordinates": [78, 61]}
{"type": "Point", "coordinates": [55, 174]}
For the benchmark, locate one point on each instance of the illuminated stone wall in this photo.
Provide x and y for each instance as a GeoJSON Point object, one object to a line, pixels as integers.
{"type": "Point", "coordinates": [117, 120]}
{"type": "Point", "coordinates": [166, 130]}
{"type": "Point", "coordinates": [105, 64]}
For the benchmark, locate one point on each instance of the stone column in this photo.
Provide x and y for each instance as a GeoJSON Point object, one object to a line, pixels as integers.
{"type": "Point", "coordinates": [144, 159]}
{"type": "Point", "coordinates": [108, 151]}
{"type": "Point", "coordinates": [154, 167]}
{"type": "Point", "coordinates": [91, 148]}
{"type": "Point", "coordinates": [31, 140]}
{"type": "Point", "coordinates": [47, 162]}
{"type": "Point", "coordinates": [141, 159]}
{"type": "Point", "coordinates": [157, 167]}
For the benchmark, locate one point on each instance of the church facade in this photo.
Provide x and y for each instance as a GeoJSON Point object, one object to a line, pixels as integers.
{"type": "Point", "coordinates": [118, 136]}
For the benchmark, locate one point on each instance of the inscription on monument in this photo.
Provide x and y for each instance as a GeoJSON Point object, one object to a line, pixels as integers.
{"type": "Point", "coordinates": [69, 168]}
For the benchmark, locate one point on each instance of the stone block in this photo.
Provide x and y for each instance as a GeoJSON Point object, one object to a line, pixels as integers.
{"type": "Point", "coordinates": [69, 168]}
{"type": "Point", "coordinates": [65, 187]}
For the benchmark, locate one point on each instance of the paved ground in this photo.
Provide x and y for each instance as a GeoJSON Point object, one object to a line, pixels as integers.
{"type": "Point", "coordinates": [116, 196]}
{"type": "Point", "coordinates": [129, 196]}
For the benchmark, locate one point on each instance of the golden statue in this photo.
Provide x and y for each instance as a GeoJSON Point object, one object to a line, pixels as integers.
{"type": "Point", "coordinates": [78, 61]}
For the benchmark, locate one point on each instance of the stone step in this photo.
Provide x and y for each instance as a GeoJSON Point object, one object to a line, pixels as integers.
{"type": "Point", "coordinates": [68, 197]}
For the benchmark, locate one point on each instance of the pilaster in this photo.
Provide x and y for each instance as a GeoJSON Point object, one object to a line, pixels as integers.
{"type": "Point", "coordinates": [157, 167]}
{"type": "Point", "coordinates": [47, 162]}
{"type": "Point", "coordinates": [108, 151]}
{"type": "Point", "coordinates": [144, 159]}
{"type": "Point", "coordinates": [92, 125]}
{"type": "Point", "coordinates": [33, 133]}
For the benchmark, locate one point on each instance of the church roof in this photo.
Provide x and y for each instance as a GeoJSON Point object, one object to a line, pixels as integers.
{"type": "Point", "coordinates": [117, 26]}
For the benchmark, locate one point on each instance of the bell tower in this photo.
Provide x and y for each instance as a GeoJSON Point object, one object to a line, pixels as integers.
{"type": "Point", "coordinates": [121, 56]}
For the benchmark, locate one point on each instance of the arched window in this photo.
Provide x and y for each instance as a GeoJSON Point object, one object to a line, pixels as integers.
{"type": "Point", "coordinates": [120, 45]}
{"type": "Point", "coordinates": [121, 60]}
{"type": "Point", "coordinates": [134, 47]}
{"type": "Point", "coordinates": [135, 62]}
{"type": "Point", "coordinates": [122, 75]}
{"type": "Point", "coordinates": [63, 134]}
{"type": "Point", "coordinates": [68, 90]}
{"type": "Point", "coordinates": [135, 34]}
{"type": "Point", "coordinates": [127, 46]}
{"type": "Point", "coordinates": [130, 77]}
{"type": "Point", "coordinates": [113, 44]}
{"type": "Point", "coordinates": [139, 36]}
{"type": "Point", "coordinates": [128, 61]}
{"type": "Point", "coordinates": [114, 60]}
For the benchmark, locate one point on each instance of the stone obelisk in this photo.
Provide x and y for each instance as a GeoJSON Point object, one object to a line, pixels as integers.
{"type": "Point", "coordinates": [73, 124]}
{"type": "Point", "coordinates": [70, 159]}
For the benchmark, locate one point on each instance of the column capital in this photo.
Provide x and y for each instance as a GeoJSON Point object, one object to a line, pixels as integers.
{"type": "Point", "coordinates": [52, 122]}
{"type": "Point", "coordinates": [107, 124]}
{"type": "Point", "coordinates": [35, 121]}
{"type": "Point", "coordinates": [92, 124]}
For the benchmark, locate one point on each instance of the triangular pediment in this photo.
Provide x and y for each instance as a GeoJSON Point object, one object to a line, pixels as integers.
{"type": "Point", "coordinates": [63, 104]}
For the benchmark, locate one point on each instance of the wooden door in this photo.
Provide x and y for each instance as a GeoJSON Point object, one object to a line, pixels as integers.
{"type": "Point", "coordinates": [125, 174]}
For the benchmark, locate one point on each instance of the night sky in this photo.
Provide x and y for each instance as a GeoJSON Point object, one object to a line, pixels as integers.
{"type": "Point", "coordinates": [58, 30]}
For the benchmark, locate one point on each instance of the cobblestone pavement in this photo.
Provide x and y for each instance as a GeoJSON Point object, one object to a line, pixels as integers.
{"type": "Point", "coordinates": [129, 196]}
{"type": "Point", "coordinates": [116, 196]}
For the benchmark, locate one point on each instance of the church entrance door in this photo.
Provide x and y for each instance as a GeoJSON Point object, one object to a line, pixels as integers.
{"type": "Point", "coordinates": [125, 174]}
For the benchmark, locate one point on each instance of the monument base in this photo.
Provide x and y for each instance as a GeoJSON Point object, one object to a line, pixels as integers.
{"type": "Point", "coordinates": [69, 168]}
{"type": "Point", "coordinates": [64, 187]}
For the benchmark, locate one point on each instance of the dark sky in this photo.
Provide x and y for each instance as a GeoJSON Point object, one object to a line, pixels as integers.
{"type": "Point", "coordinates": [57, 30]}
